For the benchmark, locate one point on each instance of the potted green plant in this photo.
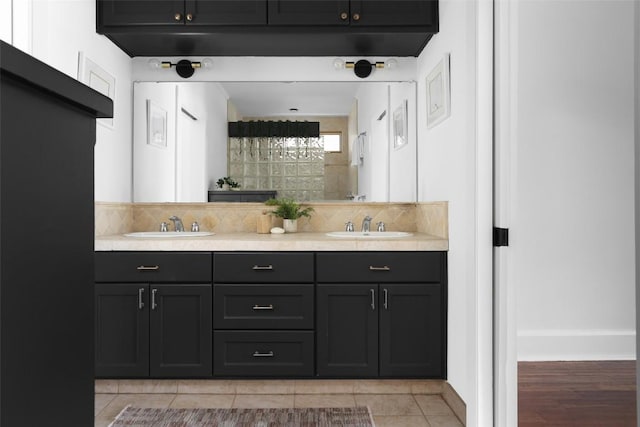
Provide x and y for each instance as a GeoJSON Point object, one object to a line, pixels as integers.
{"type": "Point", "coordinates": [226, 183]}
{"type": "Point", "coordinates": [289, 210]}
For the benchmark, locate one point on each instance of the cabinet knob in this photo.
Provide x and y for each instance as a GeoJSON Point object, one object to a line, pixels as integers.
{"type": "Point", "coordinates": [177, 17]}
{"type": "Point", "coordinates": [356, 16]}
{"type": "Point", "coordinates": [189, 17]}
{"type": "Point", "coordinates": [344, 16]}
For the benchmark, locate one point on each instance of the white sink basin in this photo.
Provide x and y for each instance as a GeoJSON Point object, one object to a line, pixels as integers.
{"type": "Point", "coordinates": [369, 235]}
{"type": "Point", "coordinates": [168, 234]}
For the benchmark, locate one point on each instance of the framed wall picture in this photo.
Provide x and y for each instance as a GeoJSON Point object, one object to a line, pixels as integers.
{"type": "Point", "coordinates": [98, 79]}
{"type": "Point", "coordinates": [438, 93]}
{"type": "Point", "coordinates": [156, 125]}
{"type": "Point", "coordinates": [400, 127]}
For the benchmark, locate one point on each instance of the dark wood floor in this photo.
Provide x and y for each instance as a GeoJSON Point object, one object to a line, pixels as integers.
{"type": "Point", "coordinates": [572, 394]}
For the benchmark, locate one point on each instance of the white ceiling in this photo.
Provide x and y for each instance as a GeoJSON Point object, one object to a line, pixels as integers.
{"type": "Point", "coordinates": [261, 99]}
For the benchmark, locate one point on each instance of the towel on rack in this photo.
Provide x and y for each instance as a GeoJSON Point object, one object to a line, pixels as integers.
{"type": "Point", "coordinates": [357, 150]}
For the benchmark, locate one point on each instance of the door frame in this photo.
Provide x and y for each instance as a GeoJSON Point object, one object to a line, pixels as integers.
{"type": "Point", "coordinates": [505, 178]}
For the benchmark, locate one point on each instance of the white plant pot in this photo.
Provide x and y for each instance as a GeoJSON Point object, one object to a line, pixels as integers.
{"type": "Point", "coordinates": [225, 187]}
{"type": "Point", "coordinates": [290, 225]}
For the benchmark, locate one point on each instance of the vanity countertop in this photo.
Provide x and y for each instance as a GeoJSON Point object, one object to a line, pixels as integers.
{"type": "Point", "coordinates": [272, 242]}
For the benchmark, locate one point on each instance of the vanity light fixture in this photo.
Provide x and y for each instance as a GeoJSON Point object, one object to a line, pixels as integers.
{"type": "Point", "coordinates": [184, 67]}
{"type": "Point", "coordinates": [363, 68]}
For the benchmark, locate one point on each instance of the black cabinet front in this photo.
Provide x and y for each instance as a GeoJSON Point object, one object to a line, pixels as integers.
{"type": "Point", "coordinates": [263, 353]}
{"type": "Point", "coordinates": [411, 330]}
{"type": "Point", "coordinates": [180, 338]}
{"type": "Point", "coordinates": [114, 13]}
{"type": "Point", "coordinates": [157, 330]}
{"type": "Point", "coordinates": [391, 13]}
{"type": "Point", "coordinates": [271, 314]}
{"type": "Point", "coordinates": [347, 330]}
{"type": "Point", "coordinates": [308, 12]}
{"type": "Point", "coordinates": [122, 330]}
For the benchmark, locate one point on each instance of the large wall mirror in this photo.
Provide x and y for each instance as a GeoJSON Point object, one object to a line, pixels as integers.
{"type": "Point", "coordinates": [365, 151]}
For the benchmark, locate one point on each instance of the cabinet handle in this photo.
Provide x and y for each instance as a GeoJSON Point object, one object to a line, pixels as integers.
{"type": "Point", "coordinates": [373, 299]}
{"type": "Point", "coordinates": [344, 16]}
{"type": "Point", "coordinates": [263, 267]}
{"type": "Point", "coordinates": [356, 16]}
{"type": "Point", "coordinates": [263, 307]}
{"type": "Point", "coordinates": [386, 299]}
{"type": "Point", "coordinates": [258, 354]}
{"type": "Point", "coordinates": [189, 17]}
{"type": "Point", "coordinates": [153, 299]}
{"type": "Point", "coordinates": [385, 268]}
{"type": "Point", "coordinates": [148, 267]}
{"type": "Point", "coordinates": [177, 17]}
{"type": "Point", "coordinates": [140, 301]}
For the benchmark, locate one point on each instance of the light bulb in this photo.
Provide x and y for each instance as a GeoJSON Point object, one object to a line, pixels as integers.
{"type": "Point", "coordinates": [207, 63]}
{"type": "Point", "coordinates": [154, 63]}
{"type": "Point", "coordinates": [338, 63]}
{"type": "Point", "coordinates": [390, 64]}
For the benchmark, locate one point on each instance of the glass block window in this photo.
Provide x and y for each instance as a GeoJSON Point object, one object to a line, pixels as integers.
{"type": "Point", "coordinates": [292, 166]}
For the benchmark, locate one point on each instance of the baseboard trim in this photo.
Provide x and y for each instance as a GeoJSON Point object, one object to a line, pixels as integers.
{"type": "Point", "coordinates": [315, 386]}
{"type": "Point", "coordinates": [455, 402]}
{"type": "Point", "coordinates": [576, 344]}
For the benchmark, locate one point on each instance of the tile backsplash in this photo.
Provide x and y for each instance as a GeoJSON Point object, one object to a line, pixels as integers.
{"type": "Point", "coordinates": [119, 218]}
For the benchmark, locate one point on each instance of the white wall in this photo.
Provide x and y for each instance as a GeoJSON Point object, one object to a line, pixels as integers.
{"type": "Point", "coordinates": [154, 166]}
{"type": "Point", "coordinates": [373, 101]}
{"type": "Point", "coordinates": [270, 69]}
{"type": "Point", "coordinates": [58, 30]}
{"type": "Point", "coordinates": [447, 171]}
{"type": "Point", "coordinates": [387, 174]}
{"type": "Point", "coordinates": [217, 133]}
{"type": "Point", "coordinates": [572, 230]}
{"type": "Point", "coordinates": [402, 161]}
{"type": "Point", "coordinates": [6, 21]}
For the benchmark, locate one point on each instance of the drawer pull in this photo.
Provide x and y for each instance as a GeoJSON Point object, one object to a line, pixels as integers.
{"type": "Point", "coordinates": [258, 354]}
{"type": "Point", "coordinates": [385, 268]}
{"type": "Point", "coordinates": [148, 268]}
{"type": "Point", "coordinates": [263, 267]}
{"type": "Point", "coordinates": [263, 307]}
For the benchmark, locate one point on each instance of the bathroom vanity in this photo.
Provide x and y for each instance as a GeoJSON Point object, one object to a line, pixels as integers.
{"type": "Point", "coordinates": [337, 311]}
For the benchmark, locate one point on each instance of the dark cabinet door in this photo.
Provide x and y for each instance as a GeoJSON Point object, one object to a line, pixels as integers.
{"type": "Point", "coordinates": [347, 330]}
{"type": "Point", "coordinates": [140, 12]}
{"type": "Point", "coordinates": [411, 330]}
{"type": "Point", "coordinates": [226, 12]}
{"type": "Point", "coordinates": [308, 12]}
{"type": "Point", "coordinates": [394, 12]}
{"type": "Point", "coordinates": [181, 330]}
{"type": "Point", "coordinates": [122, 330]}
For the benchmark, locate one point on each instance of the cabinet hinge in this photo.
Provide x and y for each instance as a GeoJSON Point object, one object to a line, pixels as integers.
{"type": "Point", "coordinates": [500, 236]}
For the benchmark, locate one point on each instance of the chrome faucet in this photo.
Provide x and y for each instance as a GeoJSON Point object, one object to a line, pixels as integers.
{"type": "Point", "coordinates": [177, 223]}
{"type": "Point", "coordinates": [366, 224]}
{"type": "Point", "coordinates": [348, 226]}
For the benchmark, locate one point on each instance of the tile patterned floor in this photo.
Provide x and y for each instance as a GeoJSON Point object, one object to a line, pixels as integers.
{"type": "Point", "coordinates": [389, 410]}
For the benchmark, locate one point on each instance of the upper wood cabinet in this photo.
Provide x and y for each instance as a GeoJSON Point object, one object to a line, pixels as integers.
{"type": "Point", "coordinates": [354, 12]}
{"type": "Point", "coordinates": [181, 12]}
{"type": "Point", "coordinates": [268, 27]}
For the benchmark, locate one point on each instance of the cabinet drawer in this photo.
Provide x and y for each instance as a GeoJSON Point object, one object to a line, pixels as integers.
{"type": "Point", "coordinates": [263, 353]}
{"type": "Point", "coordinates": [380, 267]}
{"type": "Point", "coordinates": [263, 307]}
{"type": "Point", "coordinates": [148, 267]}
{"type": "Point", "coordinates": [263, 267]}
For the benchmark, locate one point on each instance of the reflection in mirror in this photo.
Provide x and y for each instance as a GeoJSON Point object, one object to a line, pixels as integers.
{"type": "Point", "coordinates": [355, 157]}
